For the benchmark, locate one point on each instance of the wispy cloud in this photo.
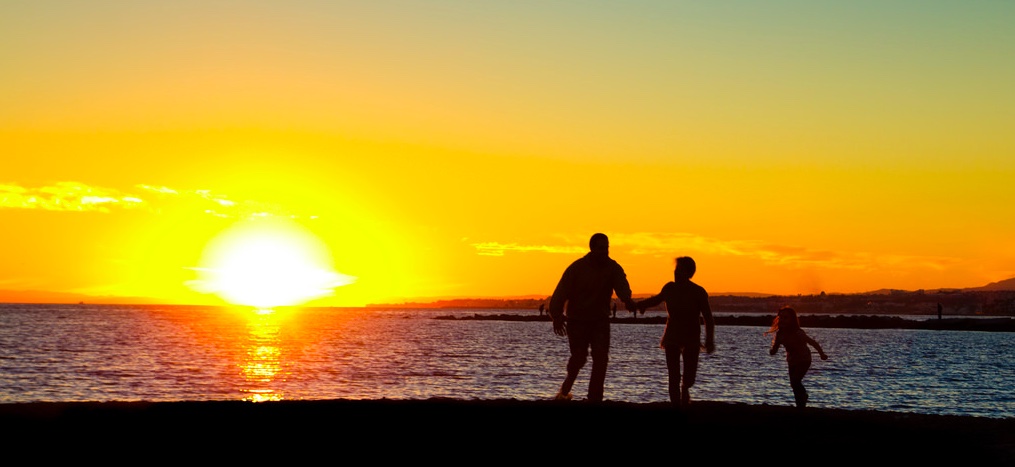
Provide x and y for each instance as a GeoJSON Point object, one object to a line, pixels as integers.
{"type": "Point", "coordinates": [654, 243]}
{"type": "Point", "coordinates": [638, 244]}
{"type": "Point", "coordinates": [66, 196]}
{"type": "Point", "coordinates": [81, 197]}
{"type": "Point", "coordinates": [498, 249]}
{"type": "Point", "coordinates": [795, 256]}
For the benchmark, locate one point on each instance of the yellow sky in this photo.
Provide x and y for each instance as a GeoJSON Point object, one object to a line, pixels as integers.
{"type": "Point", "coordinates": [450, 148]}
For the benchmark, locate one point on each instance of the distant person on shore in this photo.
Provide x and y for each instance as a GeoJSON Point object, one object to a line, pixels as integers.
{"type": "Point", "coordinates": [580, 309]}
{"type": "Point", "coordinates": [686, 304]}
{"type": "Point", "coordinates": [541, 308]}
{"type": "Point", "coordinates": [788, 333]}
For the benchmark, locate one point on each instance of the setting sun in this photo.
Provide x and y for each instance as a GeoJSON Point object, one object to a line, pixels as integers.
{"type": "Point", "coordinates": [266, 264]}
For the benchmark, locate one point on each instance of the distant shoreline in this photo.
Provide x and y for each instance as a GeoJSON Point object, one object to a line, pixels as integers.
{"type": "Point", "coordinates": [949, 303]}
{"type": "Point", "coordinates": [1000, 324]}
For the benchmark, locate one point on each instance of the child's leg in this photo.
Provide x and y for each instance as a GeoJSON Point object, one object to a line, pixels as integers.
{"type": "Point", "coordinates": [690, 354]}
{"type": "Point", "coordinates": [799, 392]}
{"type": "Point", "coordinates": [673, 369]}
{"type": "Point", "coordinates": [796, 381]}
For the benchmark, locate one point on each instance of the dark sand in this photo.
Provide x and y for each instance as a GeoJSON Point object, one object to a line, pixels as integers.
{"type": "Point", "coordinates": [494, 432]}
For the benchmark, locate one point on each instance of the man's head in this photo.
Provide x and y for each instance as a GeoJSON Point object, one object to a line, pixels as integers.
{"type": "Point", "coordinates": [685, 268]}
{"type": "Point", "coordinates": [599, 245]}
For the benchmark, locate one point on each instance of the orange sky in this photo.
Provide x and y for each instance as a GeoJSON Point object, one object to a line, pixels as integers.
{"type": "Point", "coordinates": [447, 149]}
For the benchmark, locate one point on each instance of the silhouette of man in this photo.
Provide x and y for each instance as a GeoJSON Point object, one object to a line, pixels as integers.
{"type": "Point", "coordinates": [685, 303]}
{"type": "Point", "coordinates": [587, 289]}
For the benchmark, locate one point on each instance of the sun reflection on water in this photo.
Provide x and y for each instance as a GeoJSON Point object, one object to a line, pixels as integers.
{"type": "Point", "coordinates": [263, 368]}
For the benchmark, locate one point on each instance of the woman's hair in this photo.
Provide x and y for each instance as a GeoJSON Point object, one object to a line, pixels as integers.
{"type": "Point", "coordinates": [786, 319]}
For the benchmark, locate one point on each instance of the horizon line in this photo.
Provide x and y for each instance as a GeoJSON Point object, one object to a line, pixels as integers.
{"type": "Point", "coordinates": [84, 299]}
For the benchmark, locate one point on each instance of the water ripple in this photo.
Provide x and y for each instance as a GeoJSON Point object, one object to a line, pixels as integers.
{"type": "Point", "coordinates": [72, 353]}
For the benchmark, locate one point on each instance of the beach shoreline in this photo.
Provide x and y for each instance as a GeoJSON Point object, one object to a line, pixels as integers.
{"type": "Point", "coordinates": [732, 431]}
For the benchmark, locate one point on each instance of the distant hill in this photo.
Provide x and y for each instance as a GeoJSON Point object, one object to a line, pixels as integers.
{"type": "Point", "coordinates": [39, 296]}
{"type": "Point", "coordinates": [1007, 284]}
{"type": "Point", "coordinates": [742, 294]}
{"type": "Point", "coordinates": [999, 286]}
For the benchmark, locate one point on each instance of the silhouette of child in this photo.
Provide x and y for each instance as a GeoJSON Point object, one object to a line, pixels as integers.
{"type": "Point", "coordinates": [686, 306]}
{"type": "Point", "coordinates": [788, 333]}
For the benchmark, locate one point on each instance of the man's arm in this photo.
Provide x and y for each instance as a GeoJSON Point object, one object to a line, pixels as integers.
{"type": "Point", "coordinates": [559, 297]}
{"type": "Point", "coordinates": [623, 289]}
{"type": "Point", "coordinates": [557, 300]}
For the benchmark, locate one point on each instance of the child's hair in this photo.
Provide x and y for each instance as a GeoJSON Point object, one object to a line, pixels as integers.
{"type": "Point", "coordinates": [686, 265]}
{"type": "Point", "coordinates": [786, 319]}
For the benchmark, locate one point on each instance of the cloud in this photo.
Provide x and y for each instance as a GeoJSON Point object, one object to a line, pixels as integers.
{"type": "Point", "coordinates": [498, 249]}
{"type": "Point", "coordinates": [67, 196]}
{"type": "Point", "coordinates": [654, 243]}
{"type": "Point", "coordinates": [80, 197]}
{"type": "Point", "coordinates": [793, 256]}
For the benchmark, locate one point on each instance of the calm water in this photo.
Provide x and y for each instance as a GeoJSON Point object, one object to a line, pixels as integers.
{"type": "Point", "coordinates": [153, 353]}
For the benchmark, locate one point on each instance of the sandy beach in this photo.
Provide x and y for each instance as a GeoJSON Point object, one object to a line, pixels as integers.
{"type": "Point", "coordinates": [457, 430]}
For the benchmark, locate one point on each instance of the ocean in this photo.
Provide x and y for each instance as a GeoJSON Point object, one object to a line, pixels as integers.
{"type": "Point", "coordinates": [63, 353]}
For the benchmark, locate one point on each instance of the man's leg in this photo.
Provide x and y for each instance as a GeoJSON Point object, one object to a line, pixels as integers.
{"type": "Point", "coordinates": [578, 343]}
{"type": "Point", "coordinates": [599, 339]}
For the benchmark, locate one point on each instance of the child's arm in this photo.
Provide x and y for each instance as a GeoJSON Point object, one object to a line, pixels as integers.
{"type": "Point", "coordinates": [776, 342]}
{"type": "Point", "coordinates": [817, 346]}
{"type": "Point", "coordinates": [650, 302]}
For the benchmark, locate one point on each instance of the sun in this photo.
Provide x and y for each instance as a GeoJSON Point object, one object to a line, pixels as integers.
{"type": "Point", "coordinates": [268, 263]}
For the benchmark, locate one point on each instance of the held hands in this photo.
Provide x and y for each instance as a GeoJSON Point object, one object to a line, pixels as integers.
{"type": "Point", "coordinates": [823, 356]}
{"type": "Point", "coordinates": [634, 308]}
{"type": "Point", "coordinates": [631, 306]}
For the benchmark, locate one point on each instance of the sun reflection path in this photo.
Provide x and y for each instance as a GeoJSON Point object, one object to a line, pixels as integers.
{"type": "Point", "coordinates": [263, 367]}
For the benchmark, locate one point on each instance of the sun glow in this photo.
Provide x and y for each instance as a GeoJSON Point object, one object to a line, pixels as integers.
{"type": "Point", "coordinates": [267, 264]}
